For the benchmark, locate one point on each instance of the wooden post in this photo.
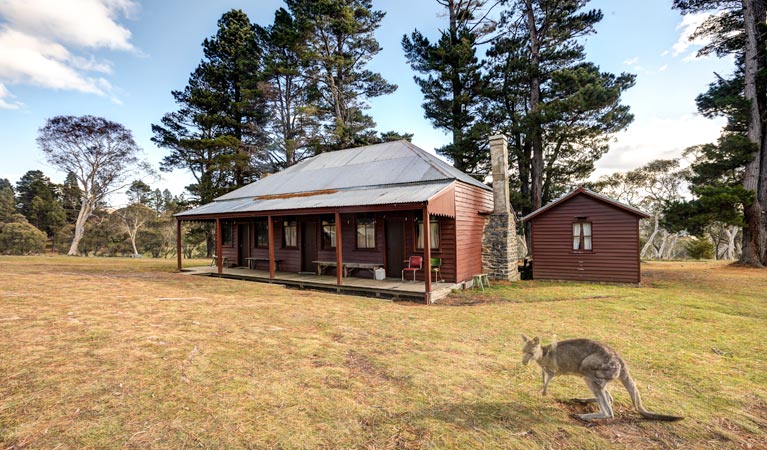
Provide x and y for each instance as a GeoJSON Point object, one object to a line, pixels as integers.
{"type": "Point", "coordinates": [427, 253]}
{"type": "Point", "coordinates": [178, 243]}
{"type": "Point", "coordinates": [219, 249]}
{"type": "Point", "coordinates": [339, 255]}
{"type": "Point", "coordinates": [270, 236]}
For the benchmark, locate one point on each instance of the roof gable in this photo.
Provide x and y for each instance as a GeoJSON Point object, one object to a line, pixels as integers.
{"type": "Point", "coordinates": [588, 193]}
{"type": "Point", "coordinates": [389, 163]}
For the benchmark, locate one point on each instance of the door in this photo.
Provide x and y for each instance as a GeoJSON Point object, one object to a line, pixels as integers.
{"type": "Point", "coordinates": [243, 244]}
{"type": "Point", "coordinates": [308, 246]}
{"type": "Point", "coordinates": [395, 247]}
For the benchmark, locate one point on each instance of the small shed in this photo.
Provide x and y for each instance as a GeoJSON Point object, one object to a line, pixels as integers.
{"type": "Point", "coordinates": [586, 236]}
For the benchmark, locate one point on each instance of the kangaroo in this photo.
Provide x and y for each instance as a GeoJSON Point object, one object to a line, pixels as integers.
{"type": "Point", "coordinates": [597, 363]}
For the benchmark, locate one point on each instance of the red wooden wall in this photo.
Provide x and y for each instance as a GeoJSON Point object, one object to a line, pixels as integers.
{"type": "Point", "coordinates": [469, 226]}
{"type": "Point", "coordinates": [615, 243]}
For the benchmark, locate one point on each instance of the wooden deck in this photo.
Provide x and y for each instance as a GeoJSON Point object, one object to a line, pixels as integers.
{"type": "Point", "coordinates": [390, 288]}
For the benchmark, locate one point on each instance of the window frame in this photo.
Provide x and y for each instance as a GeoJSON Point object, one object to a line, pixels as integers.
{"type": "Point", "coordinates": [418, 225]}
{"type": "Point", "coordinates": [582, 236]}
{"type": "Point", "coordinates": [227, 228]}
{"type": "Point", "coordinates": [327, 241]}
{"type": "Point", "coordinates": [285, 226]}
{"type": "Point", "coordinates": [257, 234]}
{"type": "Point", "coordinates": [358, 220]}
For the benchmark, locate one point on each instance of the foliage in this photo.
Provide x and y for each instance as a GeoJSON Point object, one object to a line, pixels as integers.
{"type": "Point", "coordinates": [7, 201]}
{"type": "Point", "coordinates": [453, 85]}
{"type": "Point", "coordinates": [558, 110]}
{"type": "Point", "coordinates": [21, 238]}
{"type": "Point", "coordinates": [134, 218]}
{"type": "Point", "coordinates": [340, 43]}
{"type": "Point", "coordinates": [217, 132]}
{"type": "Point", "coordinates": [700, 248]}
{"type": "Point", "coordinates": [100, 153]}
{"type": "Point", "coordinates": [71, 198]}
{"type": "Point", "coordinates": [37, 199]}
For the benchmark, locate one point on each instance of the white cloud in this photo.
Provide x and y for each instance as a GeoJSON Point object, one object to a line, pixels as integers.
{"type": "Point", "coordinates": [5, 99]}
{"type": "Point", "coordinates": [663, 68]}
{"type": "Point", "coordinates": [631, 61]}
{"type": "Point", "coordinates": [657, 138]}
{"type": "Point", "coordinates": [41, 43]}
{"type": "Point", "coordinates": [687, 27]}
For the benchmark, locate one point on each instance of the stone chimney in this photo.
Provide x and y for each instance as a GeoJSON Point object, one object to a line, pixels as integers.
{"type": "Point", "coordinates": [499, 240]}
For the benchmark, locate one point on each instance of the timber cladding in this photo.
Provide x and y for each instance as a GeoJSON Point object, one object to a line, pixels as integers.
{"type": "Point", "coordinates": [614, 256]}
{"type": "Point", "coordinates": [472, 205]}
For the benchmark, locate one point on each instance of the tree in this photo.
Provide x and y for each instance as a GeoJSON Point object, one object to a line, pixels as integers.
{"type": "Point", "coordinates": [558, 110]}
{"type": "Point", "coordinates": [37, 199]}
{"type": "Point", "coordinates": [134, 217]}
{"type": "Point", "coordinates": [21, 238]}
{"type": "Point", "coordinates": [294, 124]}
{"type": "Point", "coordinates": [738, 28]}
{"type": "Point", "coordinates": [217, 133]}
{"type": "Point", "coordinates": [453, 84]}
{"type": "Point", "coordinates": [71, 198]}
{"type": "Point", "coordinates": [7, 201]}
{"type": "Point", "coordinates": [139, 192]}
{"type": "Point", "coordinates": [101, 154]}
{"type": "Point", "coordinates": [340, 42]}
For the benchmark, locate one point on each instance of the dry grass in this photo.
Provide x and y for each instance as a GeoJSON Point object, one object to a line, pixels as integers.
{"type": "Point", "coordinates": [113, 353]}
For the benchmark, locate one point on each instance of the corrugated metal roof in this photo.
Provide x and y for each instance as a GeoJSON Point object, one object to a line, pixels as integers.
{"type": "Point", "coordinates": [361, 196]}
{"type": "Point", "coordinates": [590, 193]}
{"type": "Point", "coordinates": [390, 163]}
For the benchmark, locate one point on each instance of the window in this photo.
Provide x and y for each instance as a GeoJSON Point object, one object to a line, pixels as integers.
{"type": "Point", "coordinates": [582, 236]}
{"type": "Point", "coordinates": [433, 234]}
{"type": "Point", "coordinates": [366, 231]}
{"type": "Point", "coordinates": [226, 234]}
{"type": "Point", "coordinates": [289, 233]}
{"type": "Point", "coordinates": [329, 233]}
{"type": "Point", "coordinates": [262, 233]}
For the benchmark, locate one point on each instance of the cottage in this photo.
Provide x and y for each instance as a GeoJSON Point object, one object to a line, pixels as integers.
{"type": "Point", "coordinates": [352, 211]}
{"type": "Point", "coordinates": [586, 236]}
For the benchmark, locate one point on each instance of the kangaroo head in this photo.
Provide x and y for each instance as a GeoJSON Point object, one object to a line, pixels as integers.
{"type": "Point", "coordinates": [531, 351]}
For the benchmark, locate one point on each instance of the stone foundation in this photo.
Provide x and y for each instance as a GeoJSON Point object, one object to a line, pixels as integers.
{"type": "Point", "coordinates": [499, 248]}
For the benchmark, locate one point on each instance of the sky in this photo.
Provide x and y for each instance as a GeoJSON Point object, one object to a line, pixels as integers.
{"type": "Point", "coordinates": [120, 59]}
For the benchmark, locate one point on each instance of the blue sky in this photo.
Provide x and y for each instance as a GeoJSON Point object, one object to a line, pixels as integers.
{"type": "Point", "coordinates": [120, 59]}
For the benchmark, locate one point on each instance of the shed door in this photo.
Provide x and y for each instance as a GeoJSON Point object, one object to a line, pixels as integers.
{"type": "Point", "coordinates": [308, 246]}
{"type": "Point", "coordinates": [395, 247]}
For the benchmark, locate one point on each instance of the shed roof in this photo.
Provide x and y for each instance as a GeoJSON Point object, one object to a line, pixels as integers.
{"type": "Point", "coordinates": [589, 193]}
{"type": "Point", "coordinates": [389, 173]}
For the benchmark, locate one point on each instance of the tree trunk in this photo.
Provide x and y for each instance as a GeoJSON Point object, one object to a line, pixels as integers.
{"type": "Point", "coordinates": [536, 137]}
{"type": "Point", "coordinates": [732, 233]}
{"type": "Point", "coordinates": [754, 234]}
{"type": "Point", "coordinates": [670, 252]}
{"type": "Point", "coordinates": [649, 244]}
{"type": "Point", "coordinates": [82, 217]}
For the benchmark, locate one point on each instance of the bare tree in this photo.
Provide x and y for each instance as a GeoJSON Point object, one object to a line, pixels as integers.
{"type": "Point", "coordinates": [134, 217]}
{"type": "Point", "coordinates": [101, 154]}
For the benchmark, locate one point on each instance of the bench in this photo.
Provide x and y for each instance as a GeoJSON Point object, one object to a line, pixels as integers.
{"type": "Point", "coordinates": [347, 267]}
{"type": "Point", "coordinates": [481, 280]}
{"type": "Point", "coordinates": [253, 261]}
{"type": "Point", "coordinates": [224, 263]}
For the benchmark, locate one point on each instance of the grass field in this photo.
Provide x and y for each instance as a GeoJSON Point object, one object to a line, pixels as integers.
{"type": "Point", "coordinates": [117, 353]}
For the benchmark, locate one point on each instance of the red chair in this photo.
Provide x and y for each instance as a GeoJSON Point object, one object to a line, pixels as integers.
{"type": "Point", "coordinates": [414, 264]}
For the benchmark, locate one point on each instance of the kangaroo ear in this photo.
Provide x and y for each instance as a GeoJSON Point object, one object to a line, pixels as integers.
{"type": "Point", "coordinates": [536, 340]}
{"type": "Point", "coordinates": [524, 338]}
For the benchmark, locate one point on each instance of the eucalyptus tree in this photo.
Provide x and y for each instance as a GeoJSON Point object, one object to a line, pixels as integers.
{"type": "Point", "coordinates": [100, 153]}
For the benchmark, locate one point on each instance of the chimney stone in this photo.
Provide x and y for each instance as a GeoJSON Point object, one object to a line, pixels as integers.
{"type": "Point", "coordinates": [499, 240]}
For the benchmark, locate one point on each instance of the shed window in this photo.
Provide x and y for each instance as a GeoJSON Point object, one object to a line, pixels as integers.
{"type": "Point", "coordinates": [329, 233]}
{"type": "Point", "coordinates": [262, 233]}
{"type": "Point", "coordinates": [582, 236]}
{"type": "Point", "coordinates": [226, 234]}
{"type": "Point", "coordinates": [289, 233]}
{"type": "Point", "coordinates": [433, 234]}
{"type": "Point", "coordinates": [366, 231]}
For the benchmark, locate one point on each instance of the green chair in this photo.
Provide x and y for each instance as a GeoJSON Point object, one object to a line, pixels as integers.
{"type": "Point", "coordinates": [436, 264]}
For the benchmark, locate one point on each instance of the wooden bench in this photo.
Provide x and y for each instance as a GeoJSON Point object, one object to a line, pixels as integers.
{"type": "Point", "coordinates": [347, 267]}
{"type": "Point", "coordinates": [481, 280]}
{"type": "Point", "coordinates": [253, 261]}
{"type": "Point", "coordinates": [224, 263]}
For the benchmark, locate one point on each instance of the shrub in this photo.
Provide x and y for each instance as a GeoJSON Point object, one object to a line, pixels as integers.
{"type": "Point", "coordinates": [21, 238]}
{"type": "Point", "coordinates": [700, 249]}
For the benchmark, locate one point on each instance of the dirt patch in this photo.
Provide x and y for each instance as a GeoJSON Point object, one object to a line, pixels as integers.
{"type": "Point", "coordinates": [363, 367]}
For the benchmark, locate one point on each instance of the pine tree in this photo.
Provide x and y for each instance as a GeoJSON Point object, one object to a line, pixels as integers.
{"type": "Point", "coordinates": [558, 110]}
{"type": "Point", "coordinates": [340, 43]}
{"type": "Point", "coordinates": [453, 84]}
{"type": "Point", "coordinates": [7, 201]}
{"type": "Point", "coordinates": [37, 200]}
{"type": "Point", "coordinates": [71, 197]}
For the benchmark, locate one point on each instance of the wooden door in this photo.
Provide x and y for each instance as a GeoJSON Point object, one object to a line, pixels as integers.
{"type": "Point", "coordinates": [395, 247]}
{"type": "Point", "coordinates": [243, 244]}
{"type": "Point", "coordinates": [308, 246]}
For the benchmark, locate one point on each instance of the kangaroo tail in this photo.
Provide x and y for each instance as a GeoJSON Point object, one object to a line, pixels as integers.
{"type": "Point", "coordinates": [628, 383]}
